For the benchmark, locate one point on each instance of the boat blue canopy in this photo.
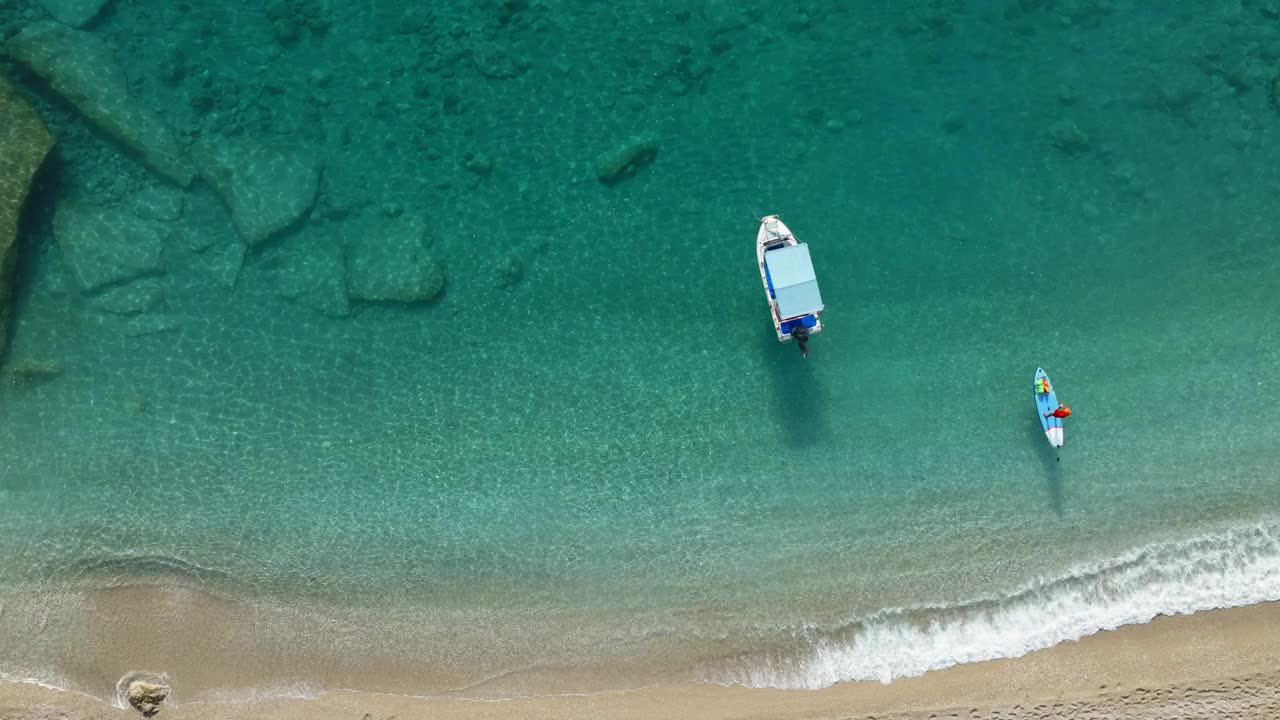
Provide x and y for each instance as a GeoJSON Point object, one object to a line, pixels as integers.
{"type": "Point", "coordinates": [795, 286]}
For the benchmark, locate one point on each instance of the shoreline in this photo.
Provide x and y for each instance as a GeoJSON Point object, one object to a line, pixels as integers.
{"type": "Point", "coordinates": [221, 648]}
{"type": "Point", "coordinates": [1225, 660]}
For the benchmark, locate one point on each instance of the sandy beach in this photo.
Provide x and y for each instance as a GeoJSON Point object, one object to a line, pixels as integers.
{"type": "Point", "coordinates": [1217, 664]}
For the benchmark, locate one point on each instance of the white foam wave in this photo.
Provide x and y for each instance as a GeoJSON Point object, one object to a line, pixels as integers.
{"type": "Point", "coordinates": [1231, 568]}
{"type": "Point", "coordinates": [49, 681]}
{"type": "Point", "coordinates": [282, 690]}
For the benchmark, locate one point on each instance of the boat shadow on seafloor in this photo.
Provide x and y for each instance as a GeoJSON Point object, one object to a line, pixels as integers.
{"type": "Point", "coordinates": [1049, 457]}
{"type": "Point", "coordinates": [796, 397]}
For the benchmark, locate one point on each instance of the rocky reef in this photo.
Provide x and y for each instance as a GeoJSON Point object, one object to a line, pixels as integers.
{"type": "Point", "coordinates": [24, 142]}
{"type": "Point", "coordinates": [76, 13]}
{"type": "Point", "coordinates": [81, 68]}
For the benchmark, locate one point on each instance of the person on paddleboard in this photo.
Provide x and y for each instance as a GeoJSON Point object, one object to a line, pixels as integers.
{"type": "Point", "coordinates": [801, 334]}
{"type": "Point", "coordinates": [1060, 412]}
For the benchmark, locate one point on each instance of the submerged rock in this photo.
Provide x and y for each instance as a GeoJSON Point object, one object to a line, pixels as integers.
{"type": "Point", "coordinates": [509, 272]}
{"type": "Point", "coordinates": [158, 203]}
{"type": "Point", "coordinates": [267, 188]}
{"type": "Point", "coordinates": [24, 142]}
{"type": "Point", "coordinates": [146, 697]}
{"type": "Point", "coordinates": [130, 298]}
{"type": "Point", "coordinates": [220, 263]}
{"type": "Point", "coordinates": [392, 263]}
{"type": "Point", "coordinates": [102, 246]}
{"type": "Point", "coordinates": [309, 269]}
{"type": "Point", "coordinates": [1068, 137]}
{"type": "Point", "coordinates": [147, 324]}
{"type": "Point", "coordinates": [24, 373]}
{"type": "Point", "coordinates": [289, 18]}
{"type": "Point", "coordinates": [82, 69]}
{"type": "Point", "coordinates": [75, 13]}
{"type": "Point", "coordinates": [625, 160]}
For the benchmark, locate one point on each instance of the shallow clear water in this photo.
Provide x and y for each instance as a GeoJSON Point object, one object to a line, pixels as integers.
{"type": "Point", "coordinates": [613, 457]}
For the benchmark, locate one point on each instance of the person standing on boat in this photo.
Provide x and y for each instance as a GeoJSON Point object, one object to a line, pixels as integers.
{"type": "Point", "coordinates": [801, 334]}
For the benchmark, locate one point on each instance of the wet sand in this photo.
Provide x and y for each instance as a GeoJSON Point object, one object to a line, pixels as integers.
{"type": "Point", "coordinates": [1221, 663]}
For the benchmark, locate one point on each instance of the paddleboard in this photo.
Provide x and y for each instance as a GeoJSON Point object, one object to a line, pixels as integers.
{"type": "Point", "coordinates": [1047, 403]}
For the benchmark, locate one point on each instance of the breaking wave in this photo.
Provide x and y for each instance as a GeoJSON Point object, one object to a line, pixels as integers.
{"type": "Point", "coordinates": [1230, 568]}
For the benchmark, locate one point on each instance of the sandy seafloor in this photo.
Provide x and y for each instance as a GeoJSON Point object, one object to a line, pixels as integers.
{"type": "Point", "coordinates": [587, 466]}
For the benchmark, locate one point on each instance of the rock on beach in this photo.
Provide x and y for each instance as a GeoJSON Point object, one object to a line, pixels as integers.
{"type": "Point", "coordinates": [146, 697]}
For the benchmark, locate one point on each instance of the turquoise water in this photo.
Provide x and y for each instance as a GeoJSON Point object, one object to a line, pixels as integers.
{"type": "Point", "coordinates": [611, 458]}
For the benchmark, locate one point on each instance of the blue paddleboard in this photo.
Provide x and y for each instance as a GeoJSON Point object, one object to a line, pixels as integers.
{"type": "Point", "coordinates": [1047, 403]}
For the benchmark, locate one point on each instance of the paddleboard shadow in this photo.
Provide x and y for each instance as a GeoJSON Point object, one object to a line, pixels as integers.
{"type": "Point", "coordinates": [1052, 467]}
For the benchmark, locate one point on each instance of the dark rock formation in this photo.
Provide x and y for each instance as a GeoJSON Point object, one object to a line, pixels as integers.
{"type": "Point", "coordinates": [81, 68]}
{"type": "Point", "coordinates": [24, 142]}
